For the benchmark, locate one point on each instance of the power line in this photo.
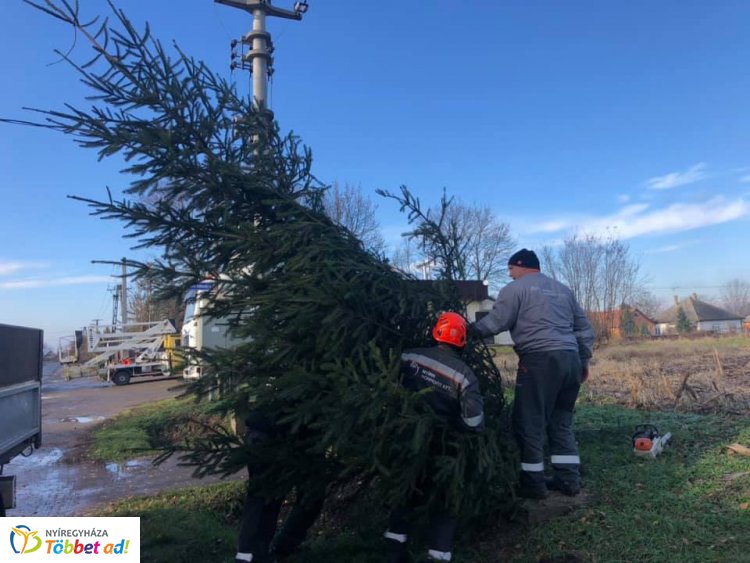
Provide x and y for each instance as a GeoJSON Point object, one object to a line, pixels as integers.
{"type": "Point", "coordinates": [675, 287]}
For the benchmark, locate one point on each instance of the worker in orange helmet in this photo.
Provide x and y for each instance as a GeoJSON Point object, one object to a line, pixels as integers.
{"type": "Point", "coordinates": [455, 397]}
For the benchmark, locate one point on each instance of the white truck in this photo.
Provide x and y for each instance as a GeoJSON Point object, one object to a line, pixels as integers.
{"type": "Point", "coordinates": [135, 349]}
{"type": "Point", "coordinates": [20, 400]}
{"type": "Point", "coordinates": [200, 331]}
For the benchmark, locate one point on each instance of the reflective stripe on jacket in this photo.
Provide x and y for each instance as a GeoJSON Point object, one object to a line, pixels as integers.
{"type": "Point", "coordinates": [455, 394]}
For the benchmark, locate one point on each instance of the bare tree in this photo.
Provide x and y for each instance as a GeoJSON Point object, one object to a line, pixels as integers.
{"type": "Point", "coordinates": [482, 242]}
{"type": "Point", "coordinates": [351, 208]}
{"type": "Point", "coordinates": [599, 270]}
{"type": "Point", "coordinates": [488, 242]}
{"type": "Point", "coordinates": [406, 257]}
{"type": "Point", "coordinates": [144, 306]}
{"type": "Point", "coordinates": [647, 303]}
{"type": "Point", "coordinates": [735, 297]}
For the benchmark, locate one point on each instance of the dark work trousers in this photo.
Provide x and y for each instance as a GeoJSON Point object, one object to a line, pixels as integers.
{"type": "Point", "coordinates": [442, 528]}
{"type": "Point", "coordinates": [260, 516]}
{"type": "Point", "coordinates": [547, 387]}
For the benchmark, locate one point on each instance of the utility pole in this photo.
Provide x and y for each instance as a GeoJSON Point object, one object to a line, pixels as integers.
{"type": "Point", "coordinates": [115, 300]}
{"type": "Point", "coordinates": [259, 60]}
{"type": "Point", "coordinates": [124, 298]}
{"type": "Point", "coordinates": [120, 293]}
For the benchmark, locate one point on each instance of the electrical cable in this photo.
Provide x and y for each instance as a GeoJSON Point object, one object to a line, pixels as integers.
{"type": "Point", "coordinates": [221, 22]}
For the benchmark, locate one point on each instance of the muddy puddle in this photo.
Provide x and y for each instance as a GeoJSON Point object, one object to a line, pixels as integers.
{"type": "Point", "coordinates": [57, 481]}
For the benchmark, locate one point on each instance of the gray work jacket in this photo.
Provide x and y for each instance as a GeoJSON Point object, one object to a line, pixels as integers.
{"type": "Point", "coordinates": [541, 314]}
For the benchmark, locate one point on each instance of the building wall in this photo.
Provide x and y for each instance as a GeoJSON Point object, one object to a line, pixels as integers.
{"type": "Point", "coordinates": [641, 321]}
{"type": "Point", "coordinates": [720, 326]}
{"type": "Point", "coordinates": [662, 329]}
{"type": "Point", "coordinates": [474, 307]}
{"type": "Point", "coordinates": [717, 327]}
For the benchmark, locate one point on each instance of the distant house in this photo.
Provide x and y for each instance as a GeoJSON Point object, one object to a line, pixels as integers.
{"type": "Point", "coordinates": [703, 317]}
{"type": "Point", "coordinates": [479, 307]}
{"type": "Point", "coordinates": [610, 322]}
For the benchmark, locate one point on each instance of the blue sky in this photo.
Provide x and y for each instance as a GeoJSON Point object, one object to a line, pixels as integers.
{"type": "Point", "coordinates": [632, 116]}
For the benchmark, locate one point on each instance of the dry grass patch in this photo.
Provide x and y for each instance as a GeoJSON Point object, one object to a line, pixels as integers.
{"type": "Point", "coordinates": [701, 375]}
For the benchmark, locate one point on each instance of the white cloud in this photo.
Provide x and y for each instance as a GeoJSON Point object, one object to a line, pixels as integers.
{"type": "Point", "coordinates": [663, 249]}
{"type": "Point", "coordinates": [640, 219]}
{"type": "Point", "coordinates": [623, 198]}
{"type": "Point", "coordinates": [69, 280]}
{"type": "Point", "coordinates": [632, 210]}
{"type": "Point", "coordinates": [745, 179]}
{"type": "Point", "coordinates": [9, 268]}
{"type": "Point", "coordinates": [551, 226]}
{"type": "Point", "coordinates": [675, 218]}
{"type": "Point", "coordinates": [675, 179]}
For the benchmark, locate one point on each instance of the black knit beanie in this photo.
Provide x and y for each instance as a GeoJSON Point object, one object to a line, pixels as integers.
{"type": "Point", "coordinates": [525, 258]}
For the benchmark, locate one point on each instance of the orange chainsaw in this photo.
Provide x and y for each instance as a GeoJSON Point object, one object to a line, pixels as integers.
{"type": "Point", "coordinates": [648, 442]}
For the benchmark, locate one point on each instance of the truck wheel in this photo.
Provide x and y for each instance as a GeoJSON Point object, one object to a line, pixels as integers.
{"type": "Point", "coordinates": [121, 377]}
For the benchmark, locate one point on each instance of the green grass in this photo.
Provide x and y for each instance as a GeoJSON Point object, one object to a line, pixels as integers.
{"type": "Point", "coordinates": [143, 430]}
{"type": "Point", "coordinates": [688, 505]}
{"type": "Point", "coordinates": [189, 525]}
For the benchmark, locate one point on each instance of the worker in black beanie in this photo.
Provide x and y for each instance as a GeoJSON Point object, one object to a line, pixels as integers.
{"type": "Point", "coordinates": [554, 340]}
{"type": "Point", "coordinates": [525, 259]}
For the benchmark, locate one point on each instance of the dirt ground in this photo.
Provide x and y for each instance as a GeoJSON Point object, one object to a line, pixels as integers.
{"type": "Point", "coordinates": [57, 480]}
{"type": "Point", "coordinates": [700, 379]}
{"type": "Point", "coordinates": [700, 375]}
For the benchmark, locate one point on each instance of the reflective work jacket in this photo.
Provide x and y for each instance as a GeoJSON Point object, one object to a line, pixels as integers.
{"type": "Point", "coordinates": [454, 394]}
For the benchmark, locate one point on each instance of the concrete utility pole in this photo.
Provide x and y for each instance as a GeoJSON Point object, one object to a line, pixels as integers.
{"type": "Point", "coordinates": [258, 59]}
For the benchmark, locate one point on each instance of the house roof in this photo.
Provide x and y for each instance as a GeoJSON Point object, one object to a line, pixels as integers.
{"type": "Point", "coordinates": [697, 310]}
{"type": "Point", "coordinates": [471, 290]}
{"type": "Point", "coordinates": [613, 318]}
{"type": "Point", "coordinates": [475, 290]}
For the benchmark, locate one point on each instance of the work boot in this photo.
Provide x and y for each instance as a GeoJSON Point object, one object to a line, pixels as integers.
{"type": "Point", "coordinates": [397, 552]}
{"type": "Point", "coordinates": [394, 557]}
{"type": "Point", "coordinates": [258, 558]}
{"type": "Point", "coordinates": [538, 492]}
{"type": "Point", "coordinates": [282, 552]}
{"type": "Point", "coordinates": [567, 488]}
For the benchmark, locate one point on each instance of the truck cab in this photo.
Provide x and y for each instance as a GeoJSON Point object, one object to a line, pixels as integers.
{"type": "Point", "coordinates": [201, 331]}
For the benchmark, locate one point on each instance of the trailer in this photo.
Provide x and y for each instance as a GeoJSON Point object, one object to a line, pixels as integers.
{"type": "Point", "coordinates": [122, 352]}
{"type": "Point", "coordinates": [20, 400]}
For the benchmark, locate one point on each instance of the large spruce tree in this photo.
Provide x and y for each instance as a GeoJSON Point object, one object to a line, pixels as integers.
{"type": "Point", "coordinates": [324, 320]}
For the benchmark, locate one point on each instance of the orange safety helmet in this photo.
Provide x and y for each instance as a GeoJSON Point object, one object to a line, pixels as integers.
{"type": "Point", "coordinates": [450, 328]}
